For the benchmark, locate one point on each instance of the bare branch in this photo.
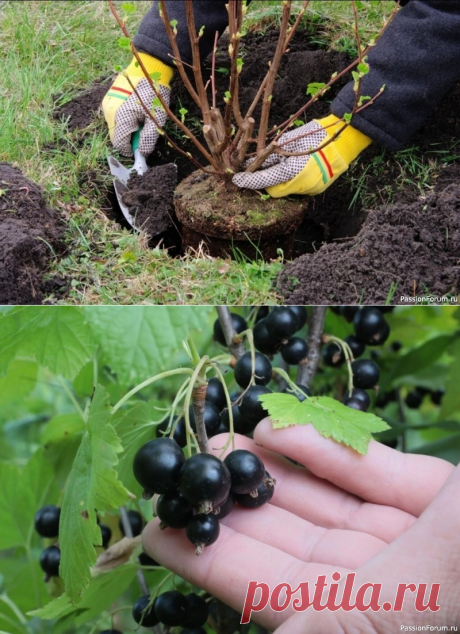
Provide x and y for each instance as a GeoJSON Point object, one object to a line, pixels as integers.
{"type": "Point", "coordinates": [225, 320]}
{"type": "Point", "coordinates": [307, 371]}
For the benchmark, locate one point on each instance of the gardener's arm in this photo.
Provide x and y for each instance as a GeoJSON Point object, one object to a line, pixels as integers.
{"type": "Point", "coordinates": [122, 110]}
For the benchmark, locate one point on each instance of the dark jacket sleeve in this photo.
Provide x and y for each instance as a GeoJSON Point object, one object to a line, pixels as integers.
{"type": "Point", "coordinates": [152, 38]}
{"type": "Point", "coordinates": [417, 59]}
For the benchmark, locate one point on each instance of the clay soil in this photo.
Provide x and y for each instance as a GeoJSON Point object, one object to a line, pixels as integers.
{"type": "Point", "coordinates": [28, 231]}
{"type": "Point", "coordinates": [345, 253]}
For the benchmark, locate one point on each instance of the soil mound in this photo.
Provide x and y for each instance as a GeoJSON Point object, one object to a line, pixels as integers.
{"type": "Point", "coordinates": [413, 248]}
{"type": "Point", "coordinates": [28, 227]}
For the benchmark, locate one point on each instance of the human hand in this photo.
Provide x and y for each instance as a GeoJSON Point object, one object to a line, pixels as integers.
{"type": "Point", "coordinates": [123, 111]}
{"type": "Point", "coordinates": [382, 515]}
{"type": "Point", "coordinates": [310, 173]}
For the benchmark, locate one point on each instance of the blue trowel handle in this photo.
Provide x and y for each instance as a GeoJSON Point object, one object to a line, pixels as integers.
{"type": "Point", "coordinates": [140, 164]}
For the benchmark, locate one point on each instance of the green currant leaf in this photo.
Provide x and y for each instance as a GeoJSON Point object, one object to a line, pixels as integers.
{"type": "Point", "coordinates": [92, 484]}
{"type": "Point", "coordinates": [127, 7]}
{"type": "Point", "coordinates": [314, 88]}
{"type": "Point", "coordinates": [124, 42]}
{"type": "Point", "coordinates": [329, 417]}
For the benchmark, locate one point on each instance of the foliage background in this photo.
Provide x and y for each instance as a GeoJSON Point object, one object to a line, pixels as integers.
{"type": "Point", "coordinates": [50, 359]}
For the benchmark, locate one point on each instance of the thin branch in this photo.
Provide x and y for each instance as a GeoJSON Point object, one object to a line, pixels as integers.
{"type": "Point", "coordinates": [194, 38]}
{"type": "Point", "coordinates": [129, 533]}
{"type": "Point", "coordinates": [198, 403]}
{"type": "Point", "coordinates": [213, 71]}
{"type": "Point", "coordinates": [225, 320]}
{"type": "Point", "coordinates": [307, 371]}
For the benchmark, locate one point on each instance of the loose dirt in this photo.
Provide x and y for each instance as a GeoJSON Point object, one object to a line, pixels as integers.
{"type": "Point", "coordinates": [29, 229]}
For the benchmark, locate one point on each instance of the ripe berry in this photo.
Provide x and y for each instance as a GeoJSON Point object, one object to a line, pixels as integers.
{"type": "Point", "coordinates": [300, 397]}
{"type": "Point", "coordinates": [265, 492]}
{"type": "Point", "coordinates": [393, 443]}
{"type": "Point", "coordinates": [348, 312]}
{"type": "Point", "coordinates": [281, 323]}
{"type": "Point", "coordinates": [174, 510]}
{"type": "Point", "coordinates": [437, 396]}
{"type": "Point", "coordinates": [203, 530]}
{"type": "Point", "coordinates": [157, 464]}
{"type": "Point", "coordinates": [110, 632]}
{"type": "Point", "coordinates": [261, 312]}
{"type": "Point", "coordinates": [171, 608]}
{"type": "Point", "coordinates": [246, 470]}
{"type": "Point", "coordinates": [395, 346]}
{"type": "Point", "coordinates": [294, 351]}
{"type": "Point", "coordinates": [355, 403]}
{"type": "Point", "coordinates": [371, 326]}
{"type": "Point", "coordinates": [386, 397]}
{"type": "Point", "coordinates": [204, 478]}
{"type": "Point", "coordinates": [332, 355]}
{"type": "Point", "coordinates": [135, 521]}
{"type": "Point", "coordinates": [50, 560]}
{"type": "Point", "coordinates": [366, 373]}
{"type": "Point", "coordinates": [145, 560]}
{"type": "Point", "coordinates": [251, 408]}
{"type": "Point", "coordinates": [179, 430]}
{"type": "Point", "coordinates": [215, 393]}
{"type": "Point", "coordinates": [359, 395]}
{"type": "Point", "coordinates": [106, 534]}
{"type": "Point", "coordinates": [241, 425]}
{"type": "Point", "coordinates": [239, 324]}
{"type": "Point", "coordinates": [414, 399]}
{"type": "Point", "coordinates": [197, 611]}
{"type": "Point", "coordinates": [301, 315]}
{"type": "Point", "coordinates": [148, 618]}
{"type": "Point", "coordinates": [243, 370]}
{"type": "Point", "coordinates": [226, 508]}
{"type": "Point", "coordinates": [211, 418]}
{"type": "Point", "coordinates": [263, 341]}
{"type": "Point", "coordinates": [356, 345]}
{"type": "Point", "coordinates": [47, 521]}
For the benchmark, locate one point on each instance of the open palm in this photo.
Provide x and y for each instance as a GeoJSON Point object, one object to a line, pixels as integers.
{"type": "Point", "coordinates": [391, 517]}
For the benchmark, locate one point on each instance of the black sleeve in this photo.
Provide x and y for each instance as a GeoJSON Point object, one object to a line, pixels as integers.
{"type": "Point", "coordinates": [418, 60]}
{"type": "Point", "coordinates": [152, 38]}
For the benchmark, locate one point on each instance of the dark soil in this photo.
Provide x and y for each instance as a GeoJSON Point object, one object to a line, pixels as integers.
{"type": "Point", "coordinates": [80, 112]}
{"type": "Point", "coordinates": [28, 228]}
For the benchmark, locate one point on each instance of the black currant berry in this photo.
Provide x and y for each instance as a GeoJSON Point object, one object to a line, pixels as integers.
{"type": "Point", "coordinates": [197, 611]}
{"type": "Point", "coordinates": [282, 323]}
{"type": "Point", "coordinates": [294, 350]}
{"type": "Point", "coordinates": [370, 326]}
{"type": "Point", "coordinates": [414, 399]}
{"type": "Point", "coordinates": [261, 312]}
{"type": "Point", "coordinates": [301, 315]}
{"type": "Point", "coordinates": [356, 345]}
{"type": "Point", "coordinates": [50, 560]}
{"type": "Point", "coordinates": [171, 608]}
{"type": "Point", "coordinates": [241, 425]}
{"type": "Point", "coordinates": [366, 373]}
{"type": "Point", "coordinates": [193, 630]}
{"type": "Point", "coordinates": [211, 418]}
{"type": "Point", "coordinates": [359, 395]}
{"type": "Point", "coordinates": [226, 508]}
{"type": "Point", "coordinates": [437, 396]}
{"type": "Point", "coordinates": [179, 430]}
{"type": "Point", "coordinates": [110, 632]}
{"type": "Point", "coordinates": [386, 397]}
{"type": "Point", "coordinates": [395, 346]}
{"type": "Point", "coordinates": [243, 370]}
{"type": "Point", "coordinates": [393, 443]}
{"type": "Point", "coordinates": [239, 324]}
{"type": "Point", "coordinates": [203, 530]}
{"type": "Point", "coordinates": [174, 510]}
{"type": "Point", "coordinates": [246, 470]}
{"type": "Point", "coordinates": [157, 464]}
{"type": "Point", "coordinates": [251, 408]}
{"type": "Point", "coordinates": [348, 312]}
{"type": "Point", "coordinates": [145, 560]}
{"type": "Point", "coordinates": [355, 403]}
{"type": "Point", "coordinates": [47, 521]}
{"type": "Point", "coordinates": [332, 355]}
{"type": "Point", "coordinates": [215, 393]}
{"type": "Point", "coordinates": [263, 341]}
{"type": "Point", "coordinates": [302, 388]}
{"type": "Point", "coordinates": [204, 478]}
{"type": "Point", "coordinates": [148, 618]}
{"type": "Point", "coordinates": [135, 521]}
{"type": "Point", "coordinates": [265, 492]}
{"type": "Point", "coordinates": [106, 535]}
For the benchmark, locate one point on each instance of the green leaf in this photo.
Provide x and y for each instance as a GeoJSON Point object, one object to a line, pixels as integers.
{"type": "Point", "coordinates": [92, 484]}
{"type": "Point", "coordinates": [140, 341]}
{"type": "Point", "coordinates": [156, 76]}
{"type": "Point", "coordinates": [347, 117]}
{"type": "Point", "coordinates": [124, 43]}
{"type": "Point", "coordinates": [127, 7]}
{"type": "Point", "coordinates": [19, 381]}
{"type": "Point", "coordinates": [57, 337]}
{"type": "Point", "coordinates": [363, 68]}
{"type": "Point", "coordinates": [451, 400]}
{"type": "Point", "coordinates": [446, 448]}
{"type": "Point", "coordinates": [314, 88]}
{"type": "Point", "coordinates": [63, 427]}
{"type": "Point", "coordinates": [329, 417]}
{"type": "Point", "coordinates": [420, 357]}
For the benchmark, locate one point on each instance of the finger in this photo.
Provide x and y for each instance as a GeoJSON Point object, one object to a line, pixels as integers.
{"type": "Point", "coordinates": [126, 124]}
{"type": "Point", "coordinates": [280, 173]}
{"type": "Point", "coordinates": [320, 502]}
{"type": "Point", "coordinates": [408, 482]}
{"type": "Point", "coordinates": [226, 568]}
{"type": "Point", "coordinates": [303, 540]}
{"type": "Point", "coordinates": [148, 137]}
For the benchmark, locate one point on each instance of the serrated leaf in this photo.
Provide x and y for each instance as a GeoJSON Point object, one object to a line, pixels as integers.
{"type": "Point", "coordinates": [62, 427]}
{"type": "Point", "coordinates": [92, 484]}
{"type": "Point", "coordinates": [329, 417]}
{"type": "Point", "coordinates": [57, 337]}
{"type": "Point", "coordinates": [19, 381]}
{"type": "Point", "coordinates": [419, 357]}
{"type": "Point", "coordinates": [139, 341]}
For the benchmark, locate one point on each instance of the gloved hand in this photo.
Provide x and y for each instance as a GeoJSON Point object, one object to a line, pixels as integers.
{"type": "Point", "coordinates": [124, 113]}
{"type": "Point", "coordinates": [312, 173]}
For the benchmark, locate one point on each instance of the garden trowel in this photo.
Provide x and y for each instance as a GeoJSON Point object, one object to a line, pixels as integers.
{"type": "Point", "coordinates": [121, 175]}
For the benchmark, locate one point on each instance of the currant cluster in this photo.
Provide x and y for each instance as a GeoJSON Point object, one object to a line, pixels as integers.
{"type": "Point", "coordinates": [197, 492]}
{"type": "Point", "coordinates": [172, 608]}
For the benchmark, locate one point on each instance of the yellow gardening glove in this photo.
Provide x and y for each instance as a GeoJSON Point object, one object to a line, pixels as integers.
{"type": "Point", "coordinates": [311, 173]}
{"type": "Point", "coordinates": [124, 113]}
